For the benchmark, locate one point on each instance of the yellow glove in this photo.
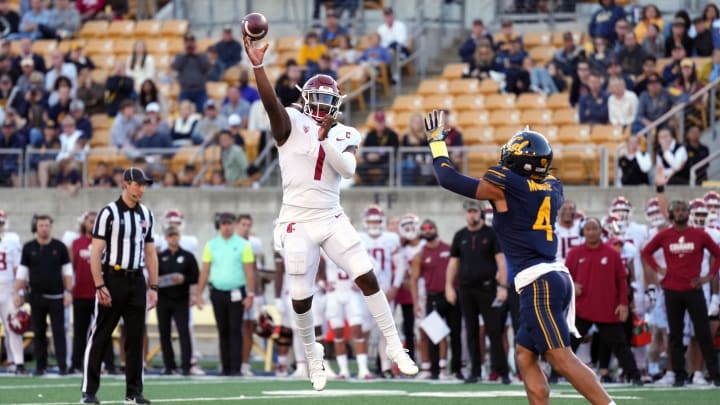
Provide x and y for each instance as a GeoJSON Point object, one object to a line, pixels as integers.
{"type": "Point", "coordinates": [436, 134]}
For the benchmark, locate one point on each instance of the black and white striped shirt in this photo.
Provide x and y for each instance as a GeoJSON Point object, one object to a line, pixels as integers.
{"type": "Point", "coordinates": [125, 231]}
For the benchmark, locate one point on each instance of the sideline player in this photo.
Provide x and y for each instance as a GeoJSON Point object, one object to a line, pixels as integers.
{"type": "Point", "coordinates": [526, 199]}
{"type": "Point", "coordinates": [10, 251]}
{"type": "Point", "coordinates": [315, 152]}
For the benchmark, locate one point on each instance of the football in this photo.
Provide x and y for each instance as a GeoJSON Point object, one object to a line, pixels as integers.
{"type": "Point", "coordinates": [255, 26]}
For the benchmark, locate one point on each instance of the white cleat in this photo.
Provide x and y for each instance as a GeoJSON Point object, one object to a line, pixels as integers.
{"type": "Point", "coordinates": [329, 372]}
{"type": "Point", "coordinates": [365, 375]}
{"type": "Point", "coordinates": [316, 369]}
{"type": "Point", "coordinates": [300, 372]}
{"type": "Point", "coordinates": [424, 375]}
{"type": "Point", "coordinates": [699, 379]}
{"type": "Point", "coordinates": [405, 364]}
{"type": "Point", "coordinates": [668, 379]}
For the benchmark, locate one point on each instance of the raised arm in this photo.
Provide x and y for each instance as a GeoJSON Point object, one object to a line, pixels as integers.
{"type": "Point", "coordinates": [279, 119]}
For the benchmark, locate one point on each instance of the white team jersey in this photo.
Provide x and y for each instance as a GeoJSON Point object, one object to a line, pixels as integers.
{"type": "Point", "coordinates": [69, 237]}
{"type": "Point", "coordinates": [715, 235]}
{"type": "Point", "coordinates": [405, 256]}
{"type": "Point", "coordinates": [187, 242]}
{"type": "Point", "coordinates": [637, 234]}
{"type": "Point", "coordinates": [337, 279]}
{"type": "Point", "coordinates": [10, 251]}
{"type": "Point", "coordinates": [311, 187]}
{"type": "Point", "coordinates": [257, 249]}
{"type": "Point", "coordinates": [382, 250]}
{"type": "Point", "coordinates": [567, 239]}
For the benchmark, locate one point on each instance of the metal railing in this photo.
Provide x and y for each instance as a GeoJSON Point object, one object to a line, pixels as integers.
{"type": "Point", "coordinates": [11, 164]}
{"type": "Point", "coordinates": [33, 156]}
{"type": "Point", "coordinates": [705, 163]}
{"type": "Point", "coordinates": [346, 83]}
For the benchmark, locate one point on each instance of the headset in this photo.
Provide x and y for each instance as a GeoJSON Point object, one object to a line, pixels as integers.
{"type": "Point", "coordinates": [671, 208]}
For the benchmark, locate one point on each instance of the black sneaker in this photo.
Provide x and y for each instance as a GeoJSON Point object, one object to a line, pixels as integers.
{"type": "Point", "coordinates": [472, 379]}
{"type": "Point", "coordinates": [716, 382]}
{"type": "Point", "coordinates": [89, 399]}
{"type": "Point", "coordinates": [638, 382]}
{"type": "Point", "coordinates": [679, 382]}
{"type": "Point", "coordinates": [20, 370]}
{"type": "Point", "coordinates": [606, 379]}
{"type": "Point", "coordinates": [506, 380]}
{"type": "Point", "coordinates": [137, 399]}
{"type": "Point", "coordinates": [39, 372]}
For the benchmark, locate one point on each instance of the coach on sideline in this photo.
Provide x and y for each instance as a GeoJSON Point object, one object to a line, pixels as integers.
{"type": "Point", "coordinates": [122, 247]}
{"type": "Point", "coordinates": [231, 290]}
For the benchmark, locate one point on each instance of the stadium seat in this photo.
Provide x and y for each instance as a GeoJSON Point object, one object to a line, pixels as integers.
{"type": "Point", "coordinates": [464, 86]}
{"type": "Point", "coordinates": [602, 134]}
{"type": "Point", "coordinates": [44, 46]}
{"type": "Point", "coordinates": [100, 121]}
{"type": "Point", "coordinates": [65, 45]}
{"type": "Point", "coordinates": [578, 38]}
{"type": "Point", "coordinates": [284, 57]}
{"type": "Point", "coordinates": [183, 157]}
{"type": "Point", "coordinates": [480, 161]}
{"type": "Point", "coordinates": [252, 139]}
{"type": "Point", "coordinates": [93, 29]}
{"type": "Point", "coordinates": [534, 39]}
{"type": "Point", "coordinates": [577, 164]}
{"type": "Point", "coordinates": [162, 46]}
{"type": "Point", "coordinates": [285, 44]}
{"type": "Point", "coordinates": [488, 86]}
{"type": "Point", "coordinates": [105, 61]}
{"type": "Point", "coordinates": [123, 46]}
{"type": "Point", "coordinates": [174, 28]}
{"type": "Point", "coordinates": [469, 102]}
{"type": "Point", "coordinates": [100, 138]}
{"type": "Point", "coordinates": [99, 75]}
{"type": "Point", "coordinates": [550, 132]}
{"type": "Point", "coordinates": [204, 43]}
{"type": "Point", "coordinates": [438, 102]}
{"type": "Point", "coordinates": [163, 62]}
{"type": "Point", "coordinates": [500, 101]}
{"type": "Point", "coordinates": [454, 70]}
{"type": "Point", "coordinates": [662, 62]}
{"type": "Point", "coordinates": [121, 28]}
{"type": "Point", "coordinates": [531, 101]}
{"type": "Point", "coordinates": [537, 117]}
{"type": "Point", "coordinates": [541, 54]}
{"type": "Point", "coordinates": [363, 43]}
{"type": "Point", "coordinates": [432, 87]}
{"type": "Point", "coordinates": [505, 117]}
{"type": "Point", "coordinates": [147, 29]}
{"type": "Point", "coordinates": [504, 133]}
{"type": "Point", "coordinates": [217, 90]}
{"type": "Point", "coordinates": [99, 46]}
{"type": "Point", "coordinates": [473, 118]}
{"type": "Point", "coordinates": [350, 79]}
{"type": "Point", "coordinates": [558, 101]}
{"type": "Point", "coordinates": [570, 134]}
{"type": "Point", "coordinates": [565, 117]}
{"type": "Point", "coordinates": [399, 121]}
{"type": "Point", "coordinates": [478, 135]}
{"type": "Point", "coordinates": [231, 76]}
{"type": "Point", "coordinates": [407, 102]}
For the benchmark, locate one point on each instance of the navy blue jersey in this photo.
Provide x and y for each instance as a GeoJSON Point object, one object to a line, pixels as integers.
{"type": "Point", "coordinates": [525, 230]}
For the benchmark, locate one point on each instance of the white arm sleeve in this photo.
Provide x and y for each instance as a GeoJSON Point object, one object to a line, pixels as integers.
{"type": "Point", "coordinates": [23, 273]}
{"type": "Point", "coordinates": [643, 161]}
{"type": "Point", "coordinates": [343, 162]}
{"type": "Point", "coordinates": [67, 270]}
{"type": "Point", "coordinates": [401, 266]}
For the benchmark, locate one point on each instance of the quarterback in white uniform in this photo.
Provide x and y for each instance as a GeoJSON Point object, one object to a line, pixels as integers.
{"type": "Point", "coordinates": [10, 251]}
{"type": "Point", "coordinates": [315, 152]}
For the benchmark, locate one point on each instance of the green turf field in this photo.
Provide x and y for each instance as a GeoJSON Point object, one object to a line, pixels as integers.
{"type": "Point", "coordinates": [267, 390]}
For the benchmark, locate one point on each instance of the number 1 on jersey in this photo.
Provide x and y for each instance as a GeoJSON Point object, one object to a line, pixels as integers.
{"type": "Point", "coordinates": [319, 163]}
{"type": "Point", "coordinates": [542, 220]}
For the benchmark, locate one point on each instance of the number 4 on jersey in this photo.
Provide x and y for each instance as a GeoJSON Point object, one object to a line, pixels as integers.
{"type": "Point", "coordinates": [542, 221]}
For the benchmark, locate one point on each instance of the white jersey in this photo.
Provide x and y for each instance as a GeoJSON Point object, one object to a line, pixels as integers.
{"type": "Point", "coordinates": [637, 234]}
{"type": "Point", "coordinates": [382, 249]}
{"type": "Point", "coordinates": [337, 279]}
{"type": "Point", "coordinates": [10, 252]}
{"type": "Point", "coordinates": [715, 235]}
{"type": "Point", "coordinates": [567, 239]}
{"type": "Point", "coordinates": [404, 258]}
{"type": "Point", "coordinates": [187, 242]}
{"type": "Point", "coordinates": [257, 249]}
{"type": "Point", "coordinates": [69, 237]}
{"type": "Point", "coordinates": [311, 187]}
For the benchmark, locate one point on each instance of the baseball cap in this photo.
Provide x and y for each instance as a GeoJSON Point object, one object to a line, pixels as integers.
{"type": "Point", "coordinates": [210, 103]}
{"type": "Point", "coordinates": [234, 120]}
{"type": "Point", "coordinates": [472, 205]}
{"type": "Point", "coordinates": [76, 105]}
{"type": "Point", "coordinates": [172, 230]}
{"type": "Point", "coordinates": [3, 216]}
{"type": "Point", "coordinates": [152, 107]}
{"type": "Point", "coordinates": [137, 175]}
{"type": "Point", "coordinates": [227, 27]}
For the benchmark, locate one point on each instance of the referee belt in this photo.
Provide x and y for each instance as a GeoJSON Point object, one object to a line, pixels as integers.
{"type": "Point", "coordinates": [119, 271]}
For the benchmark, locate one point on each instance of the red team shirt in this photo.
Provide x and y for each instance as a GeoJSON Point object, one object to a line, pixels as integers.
{"type": "Point", "coordinates": [84, 287]}
{"type": "Point", "coordinates": [683, 252]}
{"type": "Point", "coordinates": [603, 277]}
{"type": "Point", "coordinates": [433, 267]}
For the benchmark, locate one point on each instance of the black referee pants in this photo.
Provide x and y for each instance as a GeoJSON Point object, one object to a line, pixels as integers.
{"type": "Point", "coordinates": [228, 318]}
{"type": "Point", "coordinates": [451, 315]}
{"type": "Point", "coordinates": [128, 292]}
{"type": "Point", "coordinates": [40, 308]}
{"type": "Point", "coordinates": [676, 303]}
{"type": "Point", "coordinates": [478, 301]}
{"type": "Point", "coordinates": [613, 335]}
{"type": "Point", "coordinates": [83, 311]}
{"type": "Point", "coordinates": [169, 309]}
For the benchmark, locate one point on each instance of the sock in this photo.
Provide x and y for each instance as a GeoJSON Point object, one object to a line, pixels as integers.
{"type": "Point", "coordinates": [282, 360]}
{"type": "Point", "coordinates": [425, 366]}
{"type": "Point", "coordinates": [380, 310]}
{"type": "Point", "coordinates": [385, 363]}
{"type": "Point", "coordinates": [306, 330]}
{"type": "Point", "coordinates": [298, 348]}
{"type": "Point", "coordinates": [362, 362]}
{"type": "Point", "coordinates": [342, 361]}
{"type": "Point", "coordinates": [443, 363]}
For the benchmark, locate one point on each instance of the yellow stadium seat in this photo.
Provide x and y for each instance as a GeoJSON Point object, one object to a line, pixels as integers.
{"type": "Point", "coordinates": [454, 70]}
{"type": "Point", "coordinates": [65, 45]}
{"type": "Point", "coordinates": [559, 101]}
{"type": "Point", "coordinates": [464, 86]}
{"type": "Point", "coordinates": [504, 133]}
{"type": "Point", "coordinates": [473, 118]}
{"type": "Point", "coordinates": [438, 102]}
{"type": "Point", "coordinates": [123, 46]}
{"type": "Point", "coordinates": [541, 54]}
{"type": "Point", "coordinates": [533, 39]}
{"type": "Point", "coordinates": [182, 157]}
{"type": "Point", "coordinates": [147, 29]}
{"type": "Point", "coordinates": [480, 161]}
{"type": "Point", "coordinates": [578, 38]}
{"type": "Point", "coordinates": [97, 46]}
{"type": "Point", "coordinates": [505, 117]}
{"type": "Point", "coordinates": [231, 76]}
{"type": "Point", "coordinates": [500, 101]}
{"type": "Point", "coordinates": [100, 121]}
{"type": "Point", "coordinates": [121, 28]}
{"type": "Point", "coordinates": [100, 138]}
{"type": "Point", "coordinates": [408, 102]}
{"type": "Point", "coordinates": [478, 135]}
{"type": "Point", "coordinates": [289, 44]}
{"type": "Point", "coordinates": [531, 101]}
{"type": "Point", "coordinates": [577, 164]}
{"type": "Point", "coordinates": [217, 90]}
{"type": "Point", "coordinates": [204, 43]}
{"type": "Point", "coordinates": [174, 28]}
{"type": "Point", "coordinates": [163, 61]}
{"type": "Point", "coordinates": [99, 75]}
{"type": "Point", "coordinates": [93, 29]}
{"type": "Point", "coordinates": [44, 46]}
{"type": "Point", "coordinates": [252, 139]}
{"type": "Point", "coordinates": [363, 43]}
{"type": "Point", "coordinates": [432, 87]}
{"type": "Point", "coordinates": [570, 134]}
{"type": "Point", "coordinates": [469, 102]}
{"type": "Point", "coordinates": [550, 132]}
{"type": "Point", "coordinates": [488, 86]}
{"type": "Point", "coordinates": [537, 117]}
{"type": "Point", "coordinates": [662, 62]}
{"type": "Point", "coordinates": [105, 61]}
{"type": "Point", "coordinates": [565, 117]}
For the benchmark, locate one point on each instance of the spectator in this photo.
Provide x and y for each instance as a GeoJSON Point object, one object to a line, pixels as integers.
{"type": "Point", "coordinates": [23, 81]}
{"type": "Point", "coordinates": [650, 16]}
{"type": "Point", "coordinates": [602, 22]}
{"type": "Point", "coordinates": [622, 104]}
{"type": "Point", "coordinates": [710, 71]}
{"type": "Point", "coordinates": [393, 34]}
{"type": "Point", "coordinates": [567, 58]}
{"type": "Point", "coordinates": [187, 176]}
{"type": "Point", "coordinates": [685, 87]}
{"type": "Point", "coordinates": [140, 64]}
{"type": "Point", "coordinates": [593, 107]}
{"type": "Point", "coordinates": [60, 68]}
{"type": "Point", "coordinates": [152, 110]}
{"type": "Point", "coordinates": [148, 94]}
{"type": "Point", "coordinates": [375, 166]}
{"type": "Point", "coordinates": [332, 30]}
{"type": "Point", "coordinates": [703, 41]}
{"type": "Point", "coordinates": [541, 80]}
{"type": "Point", "coordinates": [235, 123]}
{"type": "Point", "coordinates": [654, 43]}
{"type": "Point", "coordinates": [670, 155]}
{"type": "Point", "coordinates": [634, 165]}
{"type": "Point", "coordinates": [117, 176]}
{"type": "Point", "coordinates": [61, 107]}
{"type": "Point", "coordinates": [184, 125]}
{"type": "Point", "coordinates": [672, 71]}
{"type": "Point", "coordinates": [216, 66]}
{"type": "Point", "coordinates": [68, 176]}
{"type": "Point", "coordinates": [148, 137]}
{"type": "Point", "coordinates": [64, 20]}
{"type": "Point", "coordinates": [615, 69]}
{"type": "Point", "coordinates": [91, 9]}
{"type": "Point", "coordinates": [258, 119]}
{"type": "Point", "coordinates": [323, 67]}
{"type": "Point", "coordinates": [513, 55]}
{"type": "Point", "coordinates": [34, 21]}
{"type": "Point", "coordinates": [101, 177]}
{"type": "Point", "coordinates": [6, 89]}
{"type": "Point", "coordinates": [286, 86]}
{"type": "Point", "coordinates": [578, 87]}
{"type": "Point", "coordinates": [27, 53]}
{"type": "Point", "coordinates": [622, 27]}
{"type": "Point", "coordinates": [631, 55]}
{"type": "Point", "coordinates": [90, 92]}
{"type": "Point", "coordinates": [10, 164]}
{"type": "Point", "coordinates": [119, 87]}
{"type": "Point", "coordinates": [228, 48]}
{"type": "Point", "coordinates": [600, 58]}
{"type": "Point", "coordinates": [680, 37]}
{"type": "Point", "coordinates": [124, 125]}
{"type": "Point", "coordinates": [505, 38]}
{"type": "Point", "coordinates": [192, 68]}
{"type": "Point", "coordinates": [210, 124]}
{"type": "Point", "coordinates": [217, 181]}
{"type": "Point", "coordinates": [696, 152]}
{"type": "Point", "coordinates": [9, 20]}
{"type": "Point", "coordinates": [76, 56]}
{"type": "Point", "coordinates": [517, 78]}
{"type": "Point", "coordinates": [47, 146]}
{"type": "Point", "coordinates": [34, 107]}
{"type": "Point", "coordinates": [649, 68]}
{"type": "Point", "coordinates": [483, 63]}
{"type": "Point", "coordinates": [601, 291]}
{"type": "Point", "coordinates": [417, 166]}
{"type": "Point", "coordinates": [311, 50]}
{"type": "Point", "coordinates": [233, 158]}
{"type": "Point", "coordinates": [344, 54]}
{"type": "Point", "coordinates": [72, 147]}
{"type": "Point", "coordinates": [170, 179]}
{"type": "Point", "coordinates": [477, 34]}
{"type": "Point", "coordinates": [247, 92]}
{"type": "Point", "coordinates": [235, 104]}
{"type": "Point", "coordinates": [376, 56]}
{"type": "Point", "coordinates": [652, 104]}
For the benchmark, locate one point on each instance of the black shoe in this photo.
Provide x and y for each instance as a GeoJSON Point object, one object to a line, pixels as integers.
{"type": "Point", "coordinates": [606, 379]}
{"type": "Point", "coordinates": [679, 382]}
{"type": "Point", "coordinates": [169, 371]}
{"type": "Point", "coordinates": [637, 382]}
{"type": "Point", "coordinates": [39, 372]}
{"type": "Point", "coordinates": [388, 374]}
{"type": "Point", "coordinates": [137, 399]}
{"type": "Point", "coordinates": [472, 379]}
{"type": "Point", "coordinates": [459, 376]}
{"type": "Point", "coordinates": [62, 371]}
{"type": "Point", "coordinates": [553, 379]}
{"type": "Point", "coordinates": [20, 370]}
{"type": "Point", "coordinates": [89, 399]}
{"type": "Point", "coordinates": [716, 382]}
{"type": "Point", "coordinates": [506, 380]}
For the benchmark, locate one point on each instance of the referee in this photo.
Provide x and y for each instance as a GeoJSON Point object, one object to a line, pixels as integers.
{"type": "Point", "coordinates": [122, 247]}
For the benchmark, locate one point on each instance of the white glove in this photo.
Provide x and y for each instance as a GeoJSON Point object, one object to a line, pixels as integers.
{"type": "Point", "coordinates": [650, 297]}
{"type": "Point", "coordinates": [714, 308]}
{"type": "Point", "coordinates": [280, 305]}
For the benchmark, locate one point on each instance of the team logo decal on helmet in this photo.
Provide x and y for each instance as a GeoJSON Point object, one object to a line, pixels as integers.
{"type": "Point", "coordinates": [527, 153]}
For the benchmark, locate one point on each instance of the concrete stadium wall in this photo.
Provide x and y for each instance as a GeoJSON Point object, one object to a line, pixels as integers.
{"type": "Point", "coordinates": [200, 205]}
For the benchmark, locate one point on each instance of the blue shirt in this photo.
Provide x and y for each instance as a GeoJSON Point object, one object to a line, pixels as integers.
{"type": "Point", "coordinates": [227, 258]}
{"type": "Point", "coordinates": [527, 236]}
{"type": "Point", "coordinates": [593, 109]}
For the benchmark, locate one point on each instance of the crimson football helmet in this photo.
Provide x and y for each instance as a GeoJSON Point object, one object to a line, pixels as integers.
{"type": "Point", "coordinates": [265, 325]}
{"type": "Point", "coordinates": [698, 213]}
{"type": "Point", "coordinates": [374, 220]}
{"type": "Point", "coordinates": [321, 97]}
{"type": "Point", "coordinates": [19, 321]}
{"type": "Point", "coordinates": [409, 227]}
{"type": "Point", "coordinates": [621, 208]}
{"type": "Point", "coordinates": [712, 201]}
{"type": "Point", "coordinates": [173, 217]}
{"type": "Point", "coordinates": [611, 226]}
{"type": "Point", "coordinates": [653, 215]}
